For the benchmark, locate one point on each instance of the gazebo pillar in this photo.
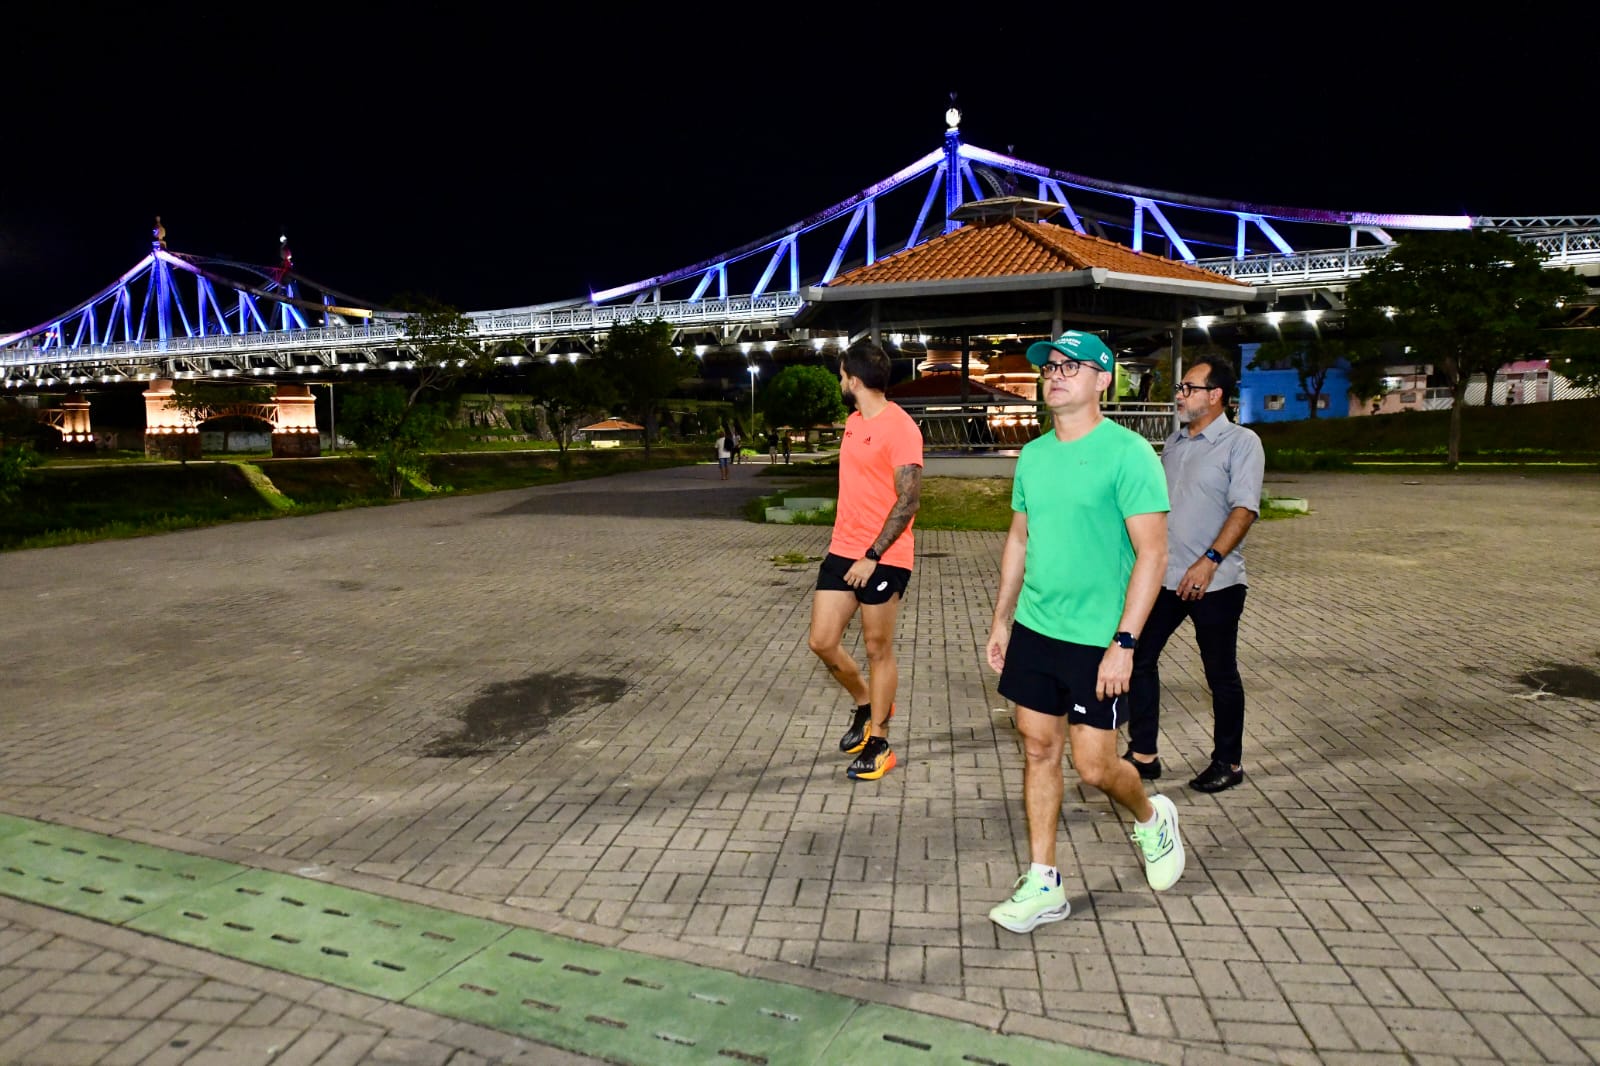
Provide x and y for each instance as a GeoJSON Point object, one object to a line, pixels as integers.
{"type": "Point", "coordinates": [1177, 367]}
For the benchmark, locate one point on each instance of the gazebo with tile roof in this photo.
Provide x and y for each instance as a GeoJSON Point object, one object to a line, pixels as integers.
{"type": "Point", "coordinates": [1008, 270]}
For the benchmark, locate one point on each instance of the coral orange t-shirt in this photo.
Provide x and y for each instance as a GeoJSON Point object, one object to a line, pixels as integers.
{"type": "Point", "coordinates": [871, 451]}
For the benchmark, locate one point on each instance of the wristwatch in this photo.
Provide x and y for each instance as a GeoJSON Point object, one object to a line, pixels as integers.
{"type": "Point", "coordinates": [1125, 639]}
{"type": "Point", "coordinates": [1214, 555]}
{"type": "Point", "coordinates": [872, 553]}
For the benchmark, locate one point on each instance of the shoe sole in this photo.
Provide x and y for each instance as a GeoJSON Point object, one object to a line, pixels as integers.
{"type": "Point", "coordinates": [863, 743]}
{"type": "Point", "coordinates": [887, 763]}
{"type": "Point", "coordinates": [1042, 918]}
{"type": "Point", "coordinates": [1177, 846]}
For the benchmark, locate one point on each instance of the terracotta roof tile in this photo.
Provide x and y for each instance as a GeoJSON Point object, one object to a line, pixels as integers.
{"type": "Point", "coordinates": [1015, 247]}
{"type": "Point", "coordinates": [610, 423]}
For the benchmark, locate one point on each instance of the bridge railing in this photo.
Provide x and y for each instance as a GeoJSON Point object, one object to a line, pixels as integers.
{"type": "Point", "coordinates": [1335, 264]}
{"type": "Point", "coordinates": [982, 425]}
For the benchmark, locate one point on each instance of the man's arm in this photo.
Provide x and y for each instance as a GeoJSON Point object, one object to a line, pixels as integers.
{"type": "Point", "coordinates": [1148, 532]}
{"type": "Point", "coordinates": [1198, 577]}
{"type": "Point", "coordinates": [908, 497]}
{"type": "Point", "coordinates": [1012, 560]}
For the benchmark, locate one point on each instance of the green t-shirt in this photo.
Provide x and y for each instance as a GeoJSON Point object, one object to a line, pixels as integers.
{"type": "Point", "coordinates": [1077, 496]}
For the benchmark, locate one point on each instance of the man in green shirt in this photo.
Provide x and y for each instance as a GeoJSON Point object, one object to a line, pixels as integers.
{"type": "Point", "coordinates": [1081, 568]}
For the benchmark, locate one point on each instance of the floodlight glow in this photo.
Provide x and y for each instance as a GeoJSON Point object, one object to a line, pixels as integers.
{"type": "Point", "coordinates": [1313, 315]}
{"type": "Point", "coordinates": [770, 345]}
{"type": "Point", "coordinates": [745, 346]}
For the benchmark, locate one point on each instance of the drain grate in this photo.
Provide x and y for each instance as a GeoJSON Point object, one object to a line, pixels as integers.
{"type": "Point", "coordinates": [96, 876]}
{"type": "Point", "coordinates": [632, 1008]}
{"type": "Point", "coordinates": [353, 939]}
{"type": "Point", "coordinates": [887, 1036]}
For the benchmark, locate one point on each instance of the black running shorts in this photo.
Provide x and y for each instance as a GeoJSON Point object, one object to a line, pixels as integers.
{"type": "Point", "coordinates": [886, 582]}
{"type": "Point", "coordinates": [1054, 677]}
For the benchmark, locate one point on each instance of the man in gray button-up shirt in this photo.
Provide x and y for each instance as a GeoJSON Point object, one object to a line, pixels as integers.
{"type": "Point", "coordinates": [1214, 470]}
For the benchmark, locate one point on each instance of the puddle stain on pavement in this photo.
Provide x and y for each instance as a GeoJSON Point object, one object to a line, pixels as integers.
{"type": "Point", "coordinates": [510, 713]}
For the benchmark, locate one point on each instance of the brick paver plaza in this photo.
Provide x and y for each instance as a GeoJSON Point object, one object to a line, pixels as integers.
{"type": "Point", "coordinates": [589, 709]}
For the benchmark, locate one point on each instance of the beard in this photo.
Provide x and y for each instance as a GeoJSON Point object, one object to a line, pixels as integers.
{"type": "Point", "coordinates": [849, 398]}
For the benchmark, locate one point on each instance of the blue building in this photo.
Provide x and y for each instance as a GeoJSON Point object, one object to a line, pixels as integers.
{"type": "Point", "coordinates": [1276, 396]}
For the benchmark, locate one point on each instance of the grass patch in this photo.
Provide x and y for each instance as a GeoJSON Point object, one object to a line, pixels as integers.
{"type": "Point", "coordinates": [91, 501]}
{"type": "Point", "coordinates": [795, 559]}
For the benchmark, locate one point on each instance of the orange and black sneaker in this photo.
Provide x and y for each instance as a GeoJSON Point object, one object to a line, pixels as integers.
{"type": "Point", "coordinates": [855, 738]}
{"type": "Point", "coordinates": [875, 760]}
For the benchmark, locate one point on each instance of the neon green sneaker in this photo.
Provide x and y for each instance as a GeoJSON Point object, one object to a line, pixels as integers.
{"type": "Point", "coordinates": [1034, 901]}
{"type": "Point", "coordinates": [1162, 846]}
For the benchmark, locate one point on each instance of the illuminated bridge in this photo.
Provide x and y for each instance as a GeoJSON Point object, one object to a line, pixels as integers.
{"type": "Point", "coordinates": [173, 315]}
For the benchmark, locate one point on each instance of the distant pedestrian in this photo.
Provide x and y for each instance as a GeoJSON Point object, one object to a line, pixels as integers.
{"type": "Point", "coordinates": [868, 564]}
{"type": "Point", "coordinates": [725, 448]}
{"type": "Point", "coordinates": [786, 446]}
{"type": "Point", "coordinates": [1214, 470]}
{"type": "Point", "coordinates": [772, 449]}
{"type": "Point", "coordinates": [1079, 571]}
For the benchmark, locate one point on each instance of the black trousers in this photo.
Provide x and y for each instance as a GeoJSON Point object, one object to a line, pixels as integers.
{"type": "Point", "coordinates": [1216, 632]}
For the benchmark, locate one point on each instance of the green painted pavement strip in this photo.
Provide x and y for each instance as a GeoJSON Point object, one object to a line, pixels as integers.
{"type": "Point", "coordinates": [618, 1005]}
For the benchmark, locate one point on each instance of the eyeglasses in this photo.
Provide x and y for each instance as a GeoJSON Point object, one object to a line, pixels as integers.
{"type": "Point", "coordinates": [1065, 367]}
{"type": "Point", "coordinates": [1187, 389]}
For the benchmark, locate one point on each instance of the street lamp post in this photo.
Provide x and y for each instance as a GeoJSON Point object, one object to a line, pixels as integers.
{"type": "Point", "coordinates": [754, 370]}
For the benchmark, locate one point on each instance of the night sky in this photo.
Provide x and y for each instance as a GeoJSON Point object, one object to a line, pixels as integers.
{"type": "Point", "coordinates": [489, 160]}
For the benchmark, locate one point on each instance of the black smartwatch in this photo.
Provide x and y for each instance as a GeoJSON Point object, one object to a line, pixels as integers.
{"type": "Point", "coordinates": [1214, 555]}
{"type": "Point", "coordinates": [1125, 639]}
{"type": "Point", "coordinates": [872, 553]}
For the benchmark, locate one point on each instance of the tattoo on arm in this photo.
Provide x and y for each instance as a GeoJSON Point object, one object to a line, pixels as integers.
{"type": "Point", "coordinates": [908, 495]}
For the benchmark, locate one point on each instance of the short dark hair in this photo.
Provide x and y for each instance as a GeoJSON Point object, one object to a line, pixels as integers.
{"type": "Point", "coordinates": [868, 364]}
{"type": "Point", "coordinates": [1219, 374]}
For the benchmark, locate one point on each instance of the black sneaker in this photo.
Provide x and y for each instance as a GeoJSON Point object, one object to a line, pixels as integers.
{"type": "Point", "coordinates": [875, 760]}
{"type": "Point", "coordinates": [856, 735]}
{"type": "Point", "coordinates": [1149, 771]}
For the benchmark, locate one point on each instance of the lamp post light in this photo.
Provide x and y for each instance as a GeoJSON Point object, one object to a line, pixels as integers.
{"type": "Point", "coordinates": [754, 370]}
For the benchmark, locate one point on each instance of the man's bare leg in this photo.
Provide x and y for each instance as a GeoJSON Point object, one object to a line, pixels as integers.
{"type": "Point", "coordinates": [1094, 756]}
{"type": "Point", "coordinates": [1044, 739]}
{"type": "Point", "coordinates": [831, 611]}
{"type": "Point", "coordinates": [877, 631]}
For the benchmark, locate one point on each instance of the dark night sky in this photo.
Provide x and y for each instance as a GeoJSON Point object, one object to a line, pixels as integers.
{"type": "Point", "coordinates": [491, 160]}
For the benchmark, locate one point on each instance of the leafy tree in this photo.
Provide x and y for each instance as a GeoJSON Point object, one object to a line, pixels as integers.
{"type": "Point", "coordinates": [570, 393]}
{"type": "Point", "coordinates": [1575, 355]}
{"type": "Point", "coordinates": [381, 418]}
{"type": "Point", "coordinates": [443, 345]}
{"type": "Point", "coordinates": [1466, 301]}
{"type": "Point", "coordinates": [801, 397]}
{"type": "Point", "coordinates": [399, 423]}
{"type": "Point", "coordinates": [1314, 356]}
{"type": "Point", "coordinates": [18, 430]}
{"type": "Point", "coordinates": [639, 359]}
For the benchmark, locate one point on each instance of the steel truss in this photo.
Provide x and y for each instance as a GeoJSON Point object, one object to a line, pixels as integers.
{"type": "Point", "coordinates": [186, 316]}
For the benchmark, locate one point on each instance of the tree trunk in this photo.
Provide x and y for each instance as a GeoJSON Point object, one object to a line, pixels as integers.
{"type": "Point", "coordinates": [1314, 396]}
{"type": "Point", "coordinates": [1459, 401]}
{"type": "Point", "coordinates": [1488, 386]}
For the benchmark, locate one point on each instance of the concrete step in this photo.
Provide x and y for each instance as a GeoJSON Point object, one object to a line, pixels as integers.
{"type": "Point", "coordinates": [1287, 503]}
{"type": "Point", "coordinates": [809, 503]}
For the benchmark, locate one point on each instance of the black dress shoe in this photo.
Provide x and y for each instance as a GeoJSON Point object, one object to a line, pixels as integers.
{"type": "Point", "coordinates": [1149, 771]}
{"type": "Point", "coordinates": [1217, 777]}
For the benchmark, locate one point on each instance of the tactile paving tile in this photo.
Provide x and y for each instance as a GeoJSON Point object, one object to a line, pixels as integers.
{"type": "Point", "coordinates": [635, 1009]}
{"type": "Point", "coordinates": [355, 940]}
{"type": "Point", "coordinates": [96, 876]}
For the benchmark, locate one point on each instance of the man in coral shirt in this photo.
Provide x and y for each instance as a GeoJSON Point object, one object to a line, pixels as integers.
{"type": "Point", "coordinates": [868, 565]}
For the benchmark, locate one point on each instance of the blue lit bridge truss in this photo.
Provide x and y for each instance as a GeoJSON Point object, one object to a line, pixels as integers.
{"type": "Point", "coordinates": [184, 316]}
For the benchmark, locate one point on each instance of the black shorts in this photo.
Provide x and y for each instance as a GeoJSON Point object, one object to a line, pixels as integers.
{"type": "Point", "coordinates": [1056, 677]}
{"type": "Point", "coordinates": [886, 582]}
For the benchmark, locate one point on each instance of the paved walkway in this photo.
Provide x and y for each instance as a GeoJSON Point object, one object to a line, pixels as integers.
{"type": "Point", "coordinates": [588, 709]}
